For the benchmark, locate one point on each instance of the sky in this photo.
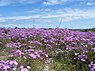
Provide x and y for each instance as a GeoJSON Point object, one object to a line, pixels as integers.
{"type": "Point", "coordinates": [71, 14]}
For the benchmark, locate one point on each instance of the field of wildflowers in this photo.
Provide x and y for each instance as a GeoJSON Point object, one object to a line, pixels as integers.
{"type": "Point", "coordinates": [31, 49]}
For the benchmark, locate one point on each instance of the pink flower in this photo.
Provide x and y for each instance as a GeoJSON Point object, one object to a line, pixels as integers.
{"type": "Point", "coordinates": [15, 62]}
{"type": "Point", "coordinates": [24, 69]}
{"type": "Point", "coordinates": [19, 52]}
{"type": "Point", "coordinates": [93, 49]}
{"type": "Point", "coordinates": [32, 55]}
{"type": "Point", "coordinates": [38, 55]}
{"type": "Point", "coordinates": [46, 55]}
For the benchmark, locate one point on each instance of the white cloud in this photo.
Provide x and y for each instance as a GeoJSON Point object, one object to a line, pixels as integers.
{"type": "Point", "coordinates": [39, 11]}
{"type": "Point", "coordinates": [28, 1]}
{"type": "Point", "coordinates": [8, 25]}
{"type": "Point", "coordinates": [9, 2]}
{"type": "Point", "coordinates": [51, 2]}
{"type": "Point", "coordinates": [44, 12]}
{"type": "Point", "coordinates": [2, 20]}
{"type": "Point", "coordinates": [5, 2]}
{"type": "Point", "coordinates": [55, 15]}
{"type": "Point", "coordinates": [54, 2]}
{"type": "Point", "coordinates": [90, 3]}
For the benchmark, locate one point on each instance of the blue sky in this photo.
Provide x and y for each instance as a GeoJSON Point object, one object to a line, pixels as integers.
{"type": "Point", "coordinates": [76, 14]}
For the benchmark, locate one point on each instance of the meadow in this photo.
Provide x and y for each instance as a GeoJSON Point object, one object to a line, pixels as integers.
{"type": "Point", "coordinates": [32, 49]}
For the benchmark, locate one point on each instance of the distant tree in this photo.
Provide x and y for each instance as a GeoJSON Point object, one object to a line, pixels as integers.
{"type": "Point", "coordinates": [16, 28]}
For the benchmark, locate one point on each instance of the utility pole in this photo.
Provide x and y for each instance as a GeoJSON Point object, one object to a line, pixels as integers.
{"type": "Point", "coordinates": [71, 25]}
{"type": "Point", "coordinates": [60, 22]}
{"type": "Point", "coordinates": [33, 22]}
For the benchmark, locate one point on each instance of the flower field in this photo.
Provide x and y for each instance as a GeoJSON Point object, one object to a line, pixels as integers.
{"type": "Point", "coordinates": [61, 49]}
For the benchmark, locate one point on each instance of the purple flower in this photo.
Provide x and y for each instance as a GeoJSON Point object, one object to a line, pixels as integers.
{"type": "Point", "coordinates": [11, 45]}
{"type": "Point", "coordinates": [8, 65]}
{"type": "Point", "coordinates": [93, 49]}
{"type": "Point", "coordinates": [18, 53]}
{"type": "Point", "coordinates": [32, 55]}
{"type": "Point", "coordinates": [24, 69]}
{"type": "Point", "coordinates": [92, 66]}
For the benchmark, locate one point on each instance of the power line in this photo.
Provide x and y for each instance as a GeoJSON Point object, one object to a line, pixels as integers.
{"type": "Point", "coordinates": [33, 22]}
{"type": "Point", "coordinates": [60, 22]}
